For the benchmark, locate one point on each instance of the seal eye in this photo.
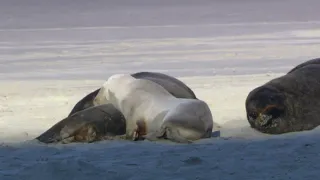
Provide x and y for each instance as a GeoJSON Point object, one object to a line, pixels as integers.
{"type": "Point", "coordinates": [272, 98]}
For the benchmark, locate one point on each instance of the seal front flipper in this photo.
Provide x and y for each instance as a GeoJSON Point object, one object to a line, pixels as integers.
{"type": "Point", "coordinates": [153, 136]}
{"type": "Point", "coordinates": [138, 132]}
{"type": "Point", "coordinates": [174, 135]}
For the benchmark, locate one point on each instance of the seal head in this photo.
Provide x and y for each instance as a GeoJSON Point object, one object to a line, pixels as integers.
{"type": "Point", "coordinates": [266, 109]}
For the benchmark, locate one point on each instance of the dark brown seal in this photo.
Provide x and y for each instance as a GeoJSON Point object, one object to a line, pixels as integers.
{"type": "Point", "coordinates": [288, 103]}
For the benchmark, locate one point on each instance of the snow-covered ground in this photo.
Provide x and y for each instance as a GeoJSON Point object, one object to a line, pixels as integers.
{"type": "Point", "coordinates": [52, 53]}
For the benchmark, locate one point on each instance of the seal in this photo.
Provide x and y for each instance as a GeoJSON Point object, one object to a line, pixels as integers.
{"type": "Point", "coordinates": [176, 87]}
{"type": "Point", "coordinates": [289, 103]}
{"type": "Point", "coordinates": [89, 125]}
{"type": "Point", "coordinates": [152, 113]}
{"type": "Point", "coordinates": [312, 61]}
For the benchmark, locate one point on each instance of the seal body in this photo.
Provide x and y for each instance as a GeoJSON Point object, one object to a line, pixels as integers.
{"type": "Point", "coordinates": [85, 102]}
{"type": "Point", "coordinates": [310, 62]}
{"type": "Point", "coordinates": [89, 125]}
{"type": "Point", "coordinates": [288, 103]}
{"type": "Point", "coordinates": [151, 112]}
{"type": "Point", "coordinates": [174, 86]}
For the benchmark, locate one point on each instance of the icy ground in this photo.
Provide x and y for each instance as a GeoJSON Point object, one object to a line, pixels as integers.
{"type": "Point", "coordinates": [52, 53]}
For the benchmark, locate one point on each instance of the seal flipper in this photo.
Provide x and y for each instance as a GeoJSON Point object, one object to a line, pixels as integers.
{"type": "Point", "coordinates": [167, 133]}
{"type": "Point", "coordinates": [174, 135]}
{"type": "Point", "coordinates": [153, 136]}
{"type": "Point", "coordinates": [138, 132]}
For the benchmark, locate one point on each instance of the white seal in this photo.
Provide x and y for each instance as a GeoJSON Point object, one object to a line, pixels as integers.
{"type": "Point", "coordinates": [151, 112]}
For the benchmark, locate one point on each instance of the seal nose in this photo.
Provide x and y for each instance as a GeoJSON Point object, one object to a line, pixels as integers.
{"type": "Point", "coordinates": [263, 119]}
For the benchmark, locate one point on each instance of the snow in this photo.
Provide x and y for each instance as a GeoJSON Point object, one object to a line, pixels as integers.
{"type": "Point", "coordinates": [52, 53]}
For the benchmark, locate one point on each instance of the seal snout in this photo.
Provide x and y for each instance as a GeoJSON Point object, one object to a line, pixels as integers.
{"type": "Point", "coordinates": [264, 108]}
{"type": "Point", "coordinates": [264, 120]}
{"type": "Point", "coordinates": [266, 116]}
{"type": "Point", "coordinates": [269, 113]}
